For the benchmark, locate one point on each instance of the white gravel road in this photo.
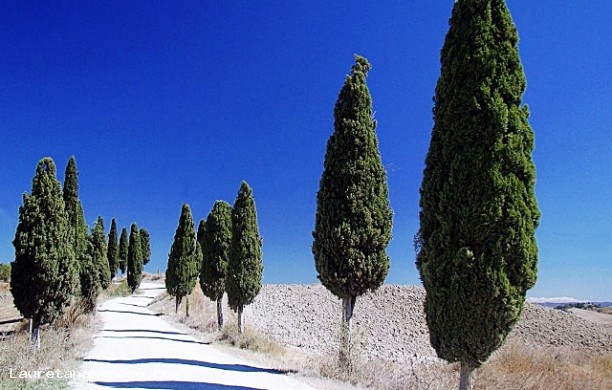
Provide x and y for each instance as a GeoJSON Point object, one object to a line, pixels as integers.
{"type": "Point", "coordinates": [138, 350]}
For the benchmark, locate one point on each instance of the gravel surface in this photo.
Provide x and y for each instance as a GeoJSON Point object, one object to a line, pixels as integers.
{"type": "Point", "coordinates": [390, 323]}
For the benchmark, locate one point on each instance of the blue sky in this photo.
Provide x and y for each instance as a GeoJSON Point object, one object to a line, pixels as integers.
{"type": "Point", "coordinates": [163, 104]}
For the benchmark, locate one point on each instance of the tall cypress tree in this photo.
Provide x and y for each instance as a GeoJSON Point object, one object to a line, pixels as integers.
{"type": "Point", "coordinates": [76, 220]}
{"type": "Point", "coordinates": [145, 240]}
{"type": "Point", "coordinates": [134, 259]}
{"type": "Point", "coordinates": [477, 252]}
{"type": "Point", "coordinates": [113, 249]}
{"type": "Point", "coordinates": [353, 220]}
{"type": "Point", "coordinates": [99, 253]}
{"type": "Point", "coordinates": [185, 253]}
{"type": "Point", "coordinates": [123, 250]}
{"type": "Point", "coordinates": [43, 276]}
{"type": "Point", "coordinates": [90, 280]}
{"type": "Point", "coordinates": [245, 264]}
{"type": "Point", "coordinates": [215, 237]}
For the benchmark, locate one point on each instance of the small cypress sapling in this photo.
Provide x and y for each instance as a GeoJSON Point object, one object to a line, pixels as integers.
{"type": "Point", "coordinates": [185, 253]}
{"type": "Point", "coordinates": [245, 266]}
{"type": "Point", "coordinates": [215, 238]}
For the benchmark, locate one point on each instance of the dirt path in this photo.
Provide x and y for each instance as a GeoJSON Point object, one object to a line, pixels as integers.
{"type": "Point", "coordinates": [138, 350]}
{"type": "Point", "coordinates": [593, 316]}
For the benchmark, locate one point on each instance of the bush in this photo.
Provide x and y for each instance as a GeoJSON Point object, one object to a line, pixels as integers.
{"type": "Point", "coordinates": [120, 289]}
{"type": "Point", "coordinates": [5, 272]}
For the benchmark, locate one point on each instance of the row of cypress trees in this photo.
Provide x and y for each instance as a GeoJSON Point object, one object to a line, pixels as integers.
{"type": "Point", "coordinates": [57, 262]}
{"type": "Point", "coordinates": [476, 247]}
{"type": "Point", "coordinates": [225, 254]}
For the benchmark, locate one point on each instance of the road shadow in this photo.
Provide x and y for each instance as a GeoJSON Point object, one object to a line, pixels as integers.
{"type": "Point", "coordinates": [198, 363]}
{"type": "Point", "coordinates": [133, 304]}
{"type": "Point", "coordinates": [129, 312]}
{"type": "Point", "coordinates": [142, 331]}
{"type": "Point", "coordinates": [155, 338]}
{"type": "Point", "coordinates": [172, 385]}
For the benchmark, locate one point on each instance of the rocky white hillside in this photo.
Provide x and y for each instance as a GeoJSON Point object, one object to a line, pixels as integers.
{"type": "Point", "coordinates": [391, 324]}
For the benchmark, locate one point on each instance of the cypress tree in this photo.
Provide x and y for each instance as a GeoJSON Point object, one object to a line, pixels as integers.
{"type": "Point", "coordinates": [245, 264]}
{"type": "Point", "coordinates": [182, 272]}
{"type": "Point", "coordinates": [477, 253]}
{"type": "Point", "coordinates": [113, 249]}
{"type": "Point", "coordinates": [76, 220]}
{"type": "Point", "coordinates": [123, 250]}
{"type": "Point", "coordinates": [215, 238]}
{"type": "Point", "coordinates": [353, 219]}
{"type": "Point", "coordinates": [90, 280]}
{"type": "Point", "coordinates": [134, 259]}
{"type": "Point", "coordinates": [145, 240]}
{"type": "Point", "coordinates": [99, 253]}
{"type": "Point", "coordinates": [43, 276]}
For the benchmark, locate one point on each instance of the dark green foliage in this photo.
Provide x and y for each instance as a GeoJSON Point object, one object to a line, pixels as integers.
{"type": "Point", "coordinates": [113, 249]}
{"type": "Point", "coordinates": [184, 256]}
{"type": "Point", "coordinates": [43, 275]}
{"type": "Point", "coordinates": [123, 250]}
{"type": "Point", "coordinates": [245, 264]}
{"type": "Point", "coordinates": [215, 237]}
{"type": "Point", "coordinates": [134, 259]}
{"type": "Point", "coordinates": [76, 220]}
{"type": "Point", "coordinates": [145, 241]}
{"type": "Point", "coordinates": [477, 251]}
{"type": "Point", "coordinates": [353, 220]}
{"type": "Point", "coordinates": [90, 280]}
{"type": "Point", "coordinates": [99, 253]}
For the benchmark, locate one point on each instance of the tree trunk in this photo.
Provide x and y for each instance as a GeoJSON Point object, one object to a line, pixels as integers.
{"type": "Point", "coordinates": [220, 313]}
{"type": "Point", "coordinates": [348, 305]}
{"type": "Point", "coordinates": [35, 334]}
{"type": "Point", "coordinates": [187, 306]}
{"type": "Point", "coordinates": [240, 320]}
{"type": "Point", "coordinates": [465, 377]}
{"type": "Point", "coordinates": [178, 303]}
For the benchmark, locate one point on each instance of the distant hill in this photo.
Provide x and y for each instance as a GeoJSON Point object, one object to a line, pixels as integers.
{"type": "Point", "coordinates": [556, 304]}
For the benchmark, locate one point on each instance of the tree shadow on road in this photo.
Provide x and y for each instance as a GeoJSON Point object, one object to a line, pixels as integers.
{"type": "Point", "coordinates": [172, 385]}
{"type": "Point", "coordinates": [129, 312]}
{"type": "Point", "coordinates": [189, 362]}
{"type": "Point", "coordinates": [142, 331]}
{"type": "Point", "coordinates": [155, 338]}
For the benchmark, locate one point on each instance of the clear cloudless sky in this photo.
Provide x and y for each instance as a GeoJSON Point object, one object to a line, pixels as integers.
{"type": "Point", "coordinates": [165, 103]}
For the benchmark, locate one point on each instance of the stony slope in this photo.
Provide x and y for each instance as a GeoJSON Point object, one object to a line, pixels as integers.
{"type": "Point", "coordinates": [391, 325]}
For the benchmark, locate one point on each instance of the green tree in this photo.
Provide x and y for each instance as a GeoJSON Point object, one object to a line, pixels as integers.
{"type": "Point", "coordinates": [134, 259]}
{"type": "Point", "coordinates": [145, 240]}
{"type": "Point", "coordinates": [185, 253]}
{"type": "Point", "coordinates": [5, 272]}
{"type": "Point", "coordinates": [90, 280]}
{"type": "Point", "coordinates": [99, 253]}
{"type": "Point", "coordinates": [43, 276]}
{"type": "Point", "coordinates": [353, 219]}
{"type": "Point", "coordinates": [215, 238]}
{"type": "Point", "coordinates": [476, 248]}
{"type": "Point", "coordinates": [76, 219]}
{"type": "Point", "coordinates": [123, 250]}
{"type": "Point", "coordinates": [113, 249]}
{"type": "Point", "coordinates": [245, 266]}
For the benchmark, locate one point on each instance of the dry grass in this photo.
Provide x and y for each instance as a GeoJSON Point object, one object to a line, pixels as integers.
{"type": "Point", "coordinates": [251, 340]}
{"type": "Point", "coordinates": [117, 289]}
{"type": "Point", "coordinates": [515, 367]}
{"type": "Point", "coordinates": [61, 347]}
